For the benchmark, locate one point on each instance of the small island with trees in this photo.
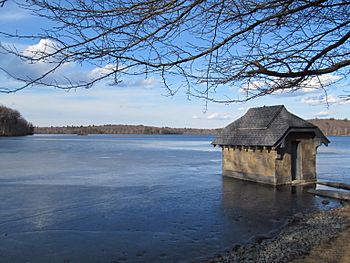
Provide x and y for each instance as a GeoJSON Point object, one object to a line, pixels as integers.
{"type": "Point", "coordinates": [13, 124]}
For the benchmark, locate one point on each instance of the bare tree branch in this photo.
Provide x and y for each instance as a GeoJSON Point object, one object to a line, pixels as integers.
{"type": "Point", "coordinates": [2, 2]}
{"type": "Point", "coordinates": [205, 45]}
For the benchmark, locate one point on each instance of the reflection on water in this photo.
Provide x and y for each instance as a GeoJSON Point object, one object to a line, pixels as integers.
{"type": "Point", "coordinates": [258, 209]}
{"type": "Point", "coordinates": [130, 199]}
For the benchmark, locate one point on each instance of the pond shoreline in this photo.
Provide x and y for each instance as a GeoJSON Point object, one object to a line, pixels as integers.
{"type": "Point", "coordinates": [303, 234]}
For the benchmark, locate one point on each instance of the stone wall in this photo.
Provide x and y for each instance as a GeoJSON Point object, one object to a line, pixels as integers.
{"type": "Point", "coordinates": [272, 166]}
{"type": "Point", "coordinates": [253, 164]}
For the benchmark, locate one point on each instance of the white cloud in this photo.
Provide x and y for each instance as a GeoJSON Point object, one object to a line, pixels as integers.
{"type": "Point", "coordinates": [330, 99]}
{"type": "Point", "coordinates": [31, 70]}
{"type": "Point", "coordinates": [252, 86]}
{"type": "Point", "coordinates": [316, 83]}
{"type": "Point", "coordinates": [44, 47]}
{"type": "Point", "coordinates": [219, 116]}
{"type": "Point", "coordinates": [325, 113]}
{"type": "Point", "coordinates": [214, 116]}
{"type": "Point", "coordinates": [312, 85]}
{"type": "Point", "coordinates": [100, 72]}
{"type": "Point", "coordinates": [66, 74]}
{"type": "Point", "coordinates": [148, 82]}
{"type": "Point", "coordinates": [315, 100]}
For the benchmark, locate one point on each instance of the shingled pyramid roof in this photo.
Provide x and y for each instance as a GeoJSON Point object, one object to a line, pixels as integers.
{"type": "Point", "coordinates": [265, 126]}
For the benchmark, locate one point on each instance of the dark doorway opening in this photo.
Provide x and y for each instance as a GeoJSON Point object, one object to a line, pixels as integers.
{"type": "Point", "coordinates": [296, 158]}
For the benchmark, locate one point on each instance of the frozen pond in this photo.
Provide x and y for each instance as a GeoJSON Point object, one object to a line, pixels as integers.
{"type": "Point", "coordinates": [137, 198]}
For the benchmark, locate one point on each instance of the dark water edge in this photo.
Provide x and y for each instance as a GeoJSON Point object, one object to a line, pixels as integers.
{"type": "Point", "coordinates": [270, 209]}
{"type": "Point", "coordinates": [132, 199]}
{"type": "Point", "coordinates": [100, 225]}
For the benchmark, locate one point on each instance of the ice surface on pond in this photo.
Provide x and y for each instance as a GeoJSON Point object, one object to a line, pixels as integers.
{"type": "Point", "coordinates": [136, 198]}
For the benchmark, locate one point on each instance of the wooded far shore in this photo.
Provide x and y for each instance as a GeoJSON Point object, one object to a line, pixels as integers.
{"type": "Point", "coordinates": [13, 124]}
{"type": "Point", "coordinates": [122, 129]}
{"type": "Point", "coordinates": [330, 127]}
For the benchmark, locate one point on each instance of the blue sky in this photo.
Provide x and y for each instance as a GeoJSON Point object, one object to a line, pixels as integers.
{"type": "Point", "coordinates": [138, 100]}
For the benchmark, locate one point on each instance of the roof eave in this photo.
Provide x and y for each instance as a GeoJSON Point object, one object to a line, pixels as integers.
{"type": "Point", "coordinates": [318, 133]}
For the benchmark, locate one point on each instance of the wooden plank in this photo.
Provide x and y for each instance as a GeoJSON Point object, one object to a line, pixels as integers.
{"type": "Point", "coordinates": [336, 185]}
{"type": "Point", "coordinates": [331, 193]}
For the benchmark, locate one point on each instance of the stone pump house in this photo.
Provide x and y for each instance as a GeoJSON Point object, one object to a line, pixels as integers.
{"type": "Point", "coordinates": [270, 145]}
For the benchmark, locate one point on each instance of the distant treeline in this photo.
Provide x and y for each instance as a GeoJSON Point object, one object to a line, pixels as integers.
{"type": "Point", "coordinates": [330, 127]}
{"type": "Point", "coordinates": [13, 124]}
{"type": "Point", "coordinates": [333, 127]}
{"type": "Point", "coordinates": [121, 129]}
